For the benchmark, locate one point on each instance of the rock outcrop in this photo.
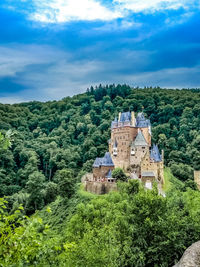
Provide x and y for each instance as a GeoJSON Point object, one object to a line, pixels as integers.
{"type": "Point", "coordinates": [191, 257]}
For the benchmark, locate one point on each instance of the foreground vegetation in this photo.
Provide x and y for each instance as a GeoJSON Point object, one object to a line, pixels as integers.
{"type": "Point", "coordinates": [46, 219]}
{"type": "Point", "coordinates": [131, 227]}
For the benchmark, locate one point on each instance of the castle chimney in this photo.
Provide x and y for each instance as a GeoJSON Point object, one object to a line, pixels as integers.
{"type": "Point", "coordinates": [119, 116]}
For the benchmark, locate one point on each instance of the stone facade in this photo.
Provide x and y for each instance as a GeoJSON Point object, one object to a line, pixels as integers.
{"type": "Point", "coordinates": [197, 178]}
{"type": "Point", "coordinates": [130, 148]}
{"type": "Point", "coordinates": [99, 173]}
{"type": "Point", "coordinates": [102, 168]}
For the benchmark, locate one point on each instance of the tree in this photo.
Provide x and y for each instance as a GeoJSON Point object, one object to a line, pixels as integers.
{"type": "Point", "coordinates": [30, 167]}
{"type": "Point", "coordinates": [119, 174]}
{"type": "Point", "coordinates": [50, 192]}
{"type": "Point", "coordinates": [34, 187]}
{"type": "Point", "coordinates": [5, 140]}
{"type": "Point", "coordinates": [66, 182]}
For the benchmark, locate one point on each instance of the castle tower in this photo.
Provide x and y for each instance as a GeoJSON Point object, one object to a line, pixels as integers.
{"type": "Point", "coordinates": [139, 148]}
{"type": "Point", "coordinates": [145, 126]}
{"type": "Point", "coordinates": [121, 138]}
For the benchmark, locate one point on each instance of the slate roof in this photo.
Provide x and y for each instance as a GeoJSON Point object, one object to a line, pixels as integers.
{"type": "Point", "coordinates": [114, 123]}
{"type": "Point", "coordinates": [109, 174]}
{"type": "Point", "coordinates": [115, 143]}
{"type": "Point", "coordinates": [141, 121]}
{"type": "Point", "coordinates": [155, 154]}
{"type": "Point", "coordinates": [148, 174]}
{"type": "Point", "coordinates": [125, 116]}
{"type": "Point", "coordinates": [97, 162]}
{"type": "Point", "coordinates": [105, 161]}
{"type": "Point", "coordinates": [140, 140]}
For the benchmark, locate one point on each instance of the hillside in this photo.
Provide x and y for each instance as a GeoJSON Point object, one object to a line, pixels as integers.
{"type": "Point", "coordinates": [55, 143]}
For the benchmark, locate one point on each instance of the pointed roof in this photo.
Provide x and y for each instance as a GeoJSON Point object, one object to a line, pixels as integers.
{"type": "Point", "coordinates": [114, 123]}
{"type": "Point", "coordinates": [97, 162]}
{"type": "Point", "coordinates": [105, 161]}
{"type": "Point", "coordinates": [109, 174]}
{"type": "Point", "coordinates": [125, 116]}
{"type": "Point", "coordinates": [140, 140]}
{"type": "Point", "coordinates": [141, 121]}
{"type": "Point", "coordinates": [155, 154]}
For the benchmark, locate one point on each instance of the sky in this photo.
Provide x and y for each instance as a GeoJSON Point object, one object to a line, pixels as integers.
{"type": "Point", "coordinates": [50, 49]}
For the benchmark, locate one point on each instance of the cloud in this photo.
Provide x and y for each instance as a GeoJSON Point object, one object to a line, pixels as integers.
{"type": "Point", "coordinates": [153, 5]}
{"type": "Point", "coordinates": [47, 73]}
{"type": "Point", "coordinates": [14, 59]}
{"type": "Point", "coordinates": [60, 11]}
{"type": "Point", "coordinates": [166, 78]}
{"type": "Point", "coordinates": [118, 26]}
{"type": "Point", "coordinates": [12, 100]}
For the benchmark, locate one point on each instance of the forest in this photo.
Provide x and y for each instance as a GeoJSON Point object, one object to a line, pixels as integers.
{"type": "Point", "coordinates": [46, 218]}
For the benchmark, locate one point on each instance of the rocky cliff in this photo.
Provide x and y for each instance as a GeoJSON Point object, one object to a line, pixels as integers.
{"type": "Point", "coordinates": [191, 257]}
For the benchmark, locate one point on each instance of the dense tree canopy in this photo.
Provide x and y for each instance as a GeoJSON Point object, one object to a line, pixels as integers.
{"type": "Point", "coordinates": [55, 143]}
{"type": "Point", "coordinates": [68, 134]}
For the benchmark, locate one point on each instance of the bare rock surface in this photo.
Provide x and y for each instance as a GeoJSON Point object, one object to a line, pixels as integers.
{"type": "Point", "coordinates": [191, 257]}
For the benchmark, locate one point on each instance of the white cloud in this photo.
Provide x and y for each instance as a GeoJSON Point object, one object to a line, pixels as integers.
{"type": "Point", "coordinates": [59, 11]}
{"type": "Point", "coordinates": [152, 5]}
{"type": "Point", "coordinates": [48, 73]}
{"type": "Point", "coordinates": [16, 58]}
{"type": "Point", "coordinates": [167, 78]}
{"type": "Point", "coordinates": [12, 100]}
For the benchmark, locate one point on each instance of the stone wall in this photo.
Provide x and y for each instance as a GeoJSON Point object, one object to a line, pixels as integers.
{"type": "Point", "coordinates": [156, 167]}
{"type": "Point", "coordinates": [101, 171]}
{"type": "Point", "coordinates": [140, 152]}
{"type": "Point", "coordinates": [99, 188]}
{"type": "Point", "coordinates": [197, 178]}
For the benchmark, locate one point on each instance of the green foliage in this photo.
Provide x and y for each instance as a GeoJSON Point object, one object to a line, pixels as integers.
{"type": "Point", "coordinates": [34, 187]}
{"type": "Point", "coordinates": [5, 141]}
{"type": "Point", "coordinates": [66, 183]}
{"type": "Point", "coordinates": [119, 174]}
{"type": "Point", "coordinates": [54, 143]}
{"type": "Point", "coordinates": [70, 133]}
{"type": "Point", "coordinates": [21, 238]}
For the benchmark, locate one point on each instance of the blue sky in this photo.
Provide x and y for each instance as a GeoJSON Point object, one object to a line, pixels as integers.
{"type": "Point", "coordinates": [50, 49]}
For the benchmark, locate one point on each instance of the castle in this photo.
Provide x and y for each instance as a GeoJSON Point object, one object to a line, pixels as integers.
{"type": "Point", "coordinates": [130, 148]}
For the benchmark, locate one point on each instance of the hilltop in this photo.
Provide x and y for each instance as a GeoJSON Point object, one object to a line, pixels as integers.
{"type": "Point", "coordinates": [55, 143]}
